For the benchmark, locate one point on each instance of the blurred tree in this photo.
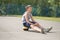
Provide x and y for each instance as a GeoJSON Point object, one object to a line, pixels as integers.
{"type": "Point", "coordinates": [49, 8]}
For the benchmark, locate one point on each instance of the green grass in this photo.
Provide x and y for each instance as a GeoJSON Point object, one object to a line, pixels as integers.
{"type": "Point", "coordinates": [48, 18]}
{"type": "Point", "coordinates": [45, 18]}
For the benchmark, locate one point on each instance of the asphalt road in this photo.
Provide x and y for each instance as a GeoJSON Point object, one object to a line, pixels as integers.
{"type": "Point", "coordinates": [11, 29]}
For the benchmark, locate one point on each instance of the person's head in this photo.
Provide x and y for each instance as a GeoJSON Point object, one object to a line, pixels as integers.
{"type": "Point", "coordinates": [28, 8]}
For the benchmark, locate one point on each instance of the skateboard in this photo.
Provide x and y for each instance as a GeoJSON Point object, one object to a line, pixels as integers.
{"type": "Point", "coordinates": [25, 28]}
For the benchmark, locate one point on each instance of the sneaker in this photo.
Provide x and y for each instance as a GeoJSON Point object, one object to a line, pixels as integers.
{"type": "Point", "coordinates": [48, 29]}
{"type": "Point", "coordinates": [25, 28]}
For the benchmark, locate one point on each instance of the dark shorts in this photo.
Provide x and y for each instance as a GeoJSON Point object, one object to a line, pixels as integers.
{"type": "Point", "coordinates": [27, 24]}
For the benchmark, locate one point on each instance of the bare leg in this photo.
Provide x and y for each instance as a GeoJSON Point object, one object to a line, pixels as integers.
{"type": "Point", "coordinates": [35, 28]}
{"type": "Point", "coordinates": [47, 30]}
{"type": "Point", "coordinates": [38, 25]}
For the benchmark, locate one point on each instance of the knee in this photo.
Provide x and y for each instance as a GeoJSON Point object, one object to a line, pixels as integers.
{"type": "Point", "coordinates": [37, 23]}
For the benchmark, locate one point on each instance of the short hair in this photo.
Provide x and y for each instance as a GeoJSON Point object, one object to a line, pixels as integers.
{"type": "Point", "coordinates": [26, 7]}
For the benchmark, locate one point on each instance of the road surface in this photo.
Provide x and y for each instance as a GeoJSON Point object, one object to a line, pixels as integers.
{"type": "Point", "coordinates": [11, 29]}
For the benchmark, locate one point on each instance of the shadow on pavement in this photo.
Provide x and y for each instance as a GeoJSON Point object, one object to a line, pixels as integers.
{"type": "Point", "coordinates": [39, 32]}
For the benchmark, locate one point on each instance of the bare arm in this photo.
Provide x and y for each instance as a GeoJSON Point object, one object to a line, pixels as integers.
{"type": "Point", "coordinates": [33, 19]}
